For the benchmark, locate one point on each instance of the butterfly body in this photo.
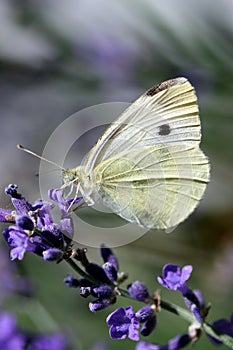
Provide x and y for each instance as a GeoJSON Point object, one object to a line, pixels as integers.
{"type": "Point", "coordinates": [147, 167]}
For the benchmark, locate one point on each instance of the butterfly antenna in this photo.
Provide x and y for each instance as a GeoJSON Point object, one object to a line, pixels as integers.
{"type": "Point", "coordinates": [21, 148]}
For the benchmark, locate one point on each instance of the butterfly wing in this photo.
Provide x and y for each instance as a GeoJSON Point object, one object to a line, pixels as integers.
{"type": "Point", "coordinates": [167, 113]}
{"type": "Point", "coordinates": [153, 186]}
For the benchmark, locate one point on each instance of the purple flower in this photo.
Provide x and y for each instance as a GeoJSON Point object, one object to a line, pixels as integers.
{"type": "Point", "coordinates": [175, 343]}
{"type": "Point", "coordinates": [123, 323]}
{"type": "Point", "coordinates": [35, 230]}
{"type": "Point", "coordinates": [109, 257]}
{"type": "Point", "coordinates": [224, 326]}
{"type": "Point", "coordinates": [146, 316]}
{"type": "Point", "coordinates": [10, 279]}
{"type": "Point", "coordinates": [97, 272]}
{"type": "Point", "coordinates": [105, 297]}
{"type": "Point", "coordinates": [21, 205]}
{"type": "Point", "coordinates": [100, 346]}
{"type": "Point", "coordinates": [52, 254]}
{"type": "Point", "coordinates": [64, 204]}
{"type": "Point", "coordinates": [47, 342]}
{"type": "Point", "coordinates": [138, 291]}
{"type": "Point", "coordinates": [71, 282]}
{"type": "Point", "coordinates": [10, 337]}
{"type": "Point", "coordinates": [174, 277]}
{"type": "Point", "coordinates": [17, 238]}
{"type": "Point", "coordinates": [110, 271]}
{"type": "Point", "coordinates": [24, 222]}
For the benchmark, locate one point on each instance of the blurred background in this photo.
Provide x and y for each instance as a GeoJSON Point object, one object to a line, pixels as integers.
{"type": "Point", "coordinates": [58, 57]}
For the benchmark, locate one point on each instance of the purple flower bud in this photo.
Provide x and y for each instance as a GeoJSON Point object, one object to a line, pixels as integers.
{"type": "Point", "coordinates": [109, 256]}
{"type": "Point", "coordinates": [24, 222]}
{"type": "Point", "coordinates": [21, 205]}
{"type": "Point", "coordinates": [149, 326]}
{"type": "Point", "coordinates": [197, 313]}
{"type": "Point", "coordinates": [190, 298]}
{"type": "Point", "coordinates": [102, 291]}
{"type": "Point", "coordinates": [224, 326]}
{"type": "Point", "coordinates": [144, 313]}
{"type": "Point", "coordinates": [138, 291]}
{"type": "Point", "coordinates": [71, 282]}
{"type": "Point", "coordinates": [12, 191]}
{"type": "Point", "coordinates": [110, 271]}
{"type": "Point", "coordinates": [99, 304]}
{"type": "Point", "coordinates": [174, 344]}
{"type": "Point", "coordinates": [143, 345]}
{"type": "Point", "coordinates": [52, 254]}
{"type": "Point", "coordinates": [97, 272]}
{"type": "Point", "coordinates": [174, 277]}
{"type": "Point", "coordinates": [178, 342]}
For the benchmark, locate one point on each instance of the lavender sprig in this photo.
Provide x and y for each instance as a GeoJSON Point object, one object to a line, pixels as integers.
{"type": "Point", "coordinates": [33, 230]}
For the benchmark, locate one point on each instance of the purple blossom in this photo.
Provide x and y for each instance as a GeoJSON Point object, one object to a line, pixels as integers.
{"type": "Point", "coordinates": [105, 297]}
{"type": "Point", "coordinates": [52, 254]}
{"type": "Point", "coordinates": [224, 326]}
{"type": "Point", "coordinates": [10, 337]}
{"type": "Point", "coordinates": [17, 238]}
{"type": "Point", "coordinates": [47, 342]}
{"type": "Point", "coordinates": [146, 315]}
{"type": "Point", "coordinates": [64, 204]}
{"type": "Point", "coordinates": [138, 291]}
{"type": "Point", "coordinates": [24, 222]}
{"type": "Point", "coordinates": [97, 272]}
{"type": "Point", "coordinates": [110, 271]}
{"type": "Point", "coordinates": [21, 205]}
{"type": "Point", "coordinates": [66, 224]}
{"type": "Point", "coordinates": [123, 323]}
{"type": "Point", "coordinates": [109, 257]}
{"type": "Point", "coordinates": [35, 230]}
{"type": "Point", "coordinates": [10, 279]}
{"type": "Point", "coordinates": [175, 343]}
{"type": "Point", "coordinates": [174, 277]}
{"type": "Point", "coordinates": [71, 282]}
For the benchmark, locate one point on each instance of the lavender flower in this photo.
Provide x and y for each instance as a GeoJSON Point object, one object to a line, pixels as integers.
{"type": "Point", "coordinates": [224, 326]}
{"type": "Point", "coordinates": [174, 277]}
{"type": "Point", "coordinates": [123, 323]}
{"type": "Point", "coordinates": [138, 291]}
{"type": "Point", "coordinates": [47, 342]}
{"type": "Point", "coordinates": [175, 343]}
{"type": "Point", "coordinates": [34, 230]}
{"type": "Point", "coordinates": [10, 336]}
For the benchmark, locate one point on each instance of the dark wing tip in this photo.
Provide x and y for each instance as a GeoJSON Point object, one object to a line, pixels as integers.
{"type": "Point", "coordinates": [165, 85]}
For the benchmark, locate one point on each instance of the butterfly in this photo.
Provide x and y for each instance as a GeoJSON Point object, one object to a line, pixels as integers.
{"type": "Point", "coordinates": [147, 167]}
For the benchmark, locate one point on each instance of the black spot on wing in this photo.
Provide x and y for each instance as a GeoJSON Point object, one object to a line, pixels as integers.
{"type": "Point", "coordinates": [164, 129]}
{"type": "Point", "coordinates": [165, 85]}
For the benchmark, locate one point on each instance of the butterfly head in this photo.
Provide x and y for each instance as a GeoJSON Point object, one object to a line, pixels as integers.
{"type": "Point", "coordinates": [71, 175]}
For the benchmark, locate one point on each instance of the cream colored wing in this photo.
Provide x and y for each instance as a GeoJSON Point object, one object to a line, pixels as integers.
{"type": "Point", "coordinates": [155, 186]}
{"type": "Point", "coordinates": [167, 113]}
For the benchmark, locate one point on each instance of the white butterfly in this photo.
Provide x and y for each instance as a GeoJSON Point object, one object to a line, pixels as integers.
{"type": "Point", "coordinates": [147, 167]}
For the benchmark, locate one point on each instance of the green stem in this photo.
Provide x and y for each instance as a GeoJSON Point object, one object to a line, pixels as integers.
{"type": "Point", "coordinates": [79, 270]}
